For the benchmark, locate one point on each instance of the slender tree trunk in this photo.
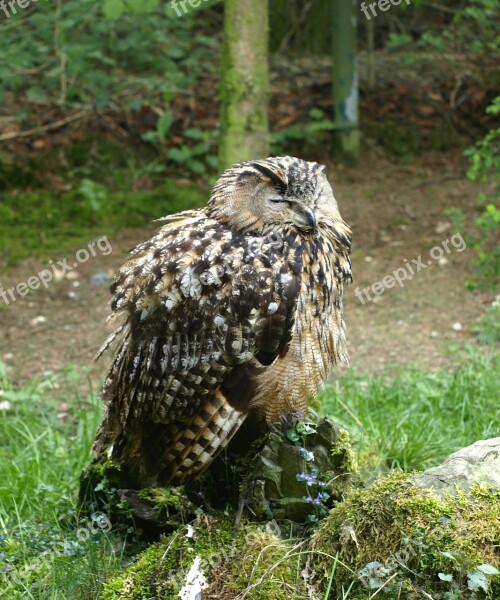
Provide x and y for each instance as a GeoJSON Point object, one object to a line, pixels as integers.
{"type": "Point", "coordinates": [345, 80]}
{"type": "Point", "coordinates": [371, 54]}
{"type": "Point", "coordinates": [244, 89]}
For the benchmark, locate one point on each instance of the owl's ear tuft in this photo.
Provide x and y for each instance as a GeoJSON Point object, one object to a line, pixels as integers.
{"type": "Point", "coordinates": [271, 176]}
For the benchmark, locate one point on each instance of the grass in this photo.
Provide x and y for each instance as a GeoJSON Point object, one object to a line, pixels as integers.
{"type": "Point", "coordinates": [415, 420]}
{"type": "Point", "coordinates": [49, 552]}
{"type": "Point", "coordinates": [44, 225]}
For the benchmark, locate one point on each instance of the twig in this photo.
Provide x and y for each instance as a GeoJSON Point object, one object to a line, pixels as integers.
{"type": "Point", "coordinates": [383, 586]}
{"type": "Point", "coordinates": [302, 17]}
{"type": "Point", "coordinates": [43, 128]}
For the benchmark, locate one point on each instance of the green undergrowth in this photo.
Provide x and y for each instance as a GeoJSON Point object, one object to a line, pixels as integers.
{"type": "Point", "coordinates": [50, 552]}
{"type": "Point", "coordinates": [398, 540]}
{"type": "Point", "coordinates": [42, 224]}
{"type": "Point", "coordinates": [47, 550]}
{"type": "Point", "coordinates": [416, 419]}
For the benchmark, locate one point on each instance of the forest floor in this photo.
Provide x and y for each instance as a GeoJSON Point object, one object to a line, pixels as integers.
{"type": "Point", "coordinates": [397, 214]}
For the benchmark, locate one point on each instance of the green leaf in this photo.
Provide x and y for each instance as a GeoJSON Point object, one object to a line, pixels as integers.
{"type": "Point", "coordinates": [477, 581]}
{"type": "Point", "coordinates": [445, 577]}
{"type": "Point", "coordinates": [449, 555]}
{"type": "Point", "coordinates": [177, 155]}
{"type": "Point", "coordinates": [196, 166]}
{"type": "Point", "coordinates": [488, 570]}
{"type": "Point", "coordinates": [112, 9]}
{"type": "Point", "coordinates": [305, 428]}
{"type": "Point", "coordinates": [164, 123]}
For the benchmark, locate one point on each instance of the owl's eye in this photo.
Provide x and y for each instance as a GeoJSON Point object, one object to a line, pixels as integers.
{"type": "Point", "coordinates": [278, 201]}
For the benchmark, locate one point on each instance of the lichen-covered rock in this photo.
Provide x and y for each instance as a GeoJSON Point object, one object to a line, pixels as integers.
{"type": "Point", "coordinates": [478, 464]}
{"type": "Point", "coordinates": [301, 469]}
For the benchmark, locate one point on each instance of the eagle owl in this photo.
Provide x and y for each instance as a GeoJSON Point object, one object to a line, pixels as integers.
{"type": "Point", "coordinates": [230, 310]}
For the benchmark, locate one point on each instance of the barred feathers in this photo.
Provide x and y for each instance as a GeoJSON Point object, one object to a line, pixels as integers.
{"type": "Point", "coordinates": [231, 309]}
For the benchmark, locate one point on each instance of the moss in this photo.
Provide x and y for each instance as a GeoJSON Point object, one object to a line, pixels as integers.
{"type": "Point", "coordinates": [171, 505]}
{"type": "Point", "coordinates": [161, 570]}
{"type": "Point", "coordinates": [267, 568]}
{"type": "Point", "coordinates": [42, 225]}
{"type": "Point", "coordinates": [254, 560]}
{"type": "Point", "coordinates": [343, 449]}
{"type": "Point", "coordinates": [393, 530]}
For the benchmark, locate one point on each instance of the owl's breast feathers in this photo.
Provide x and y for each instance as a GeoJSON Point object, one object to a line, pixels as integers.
{"type": "Point", "coordinates": [216, 324]}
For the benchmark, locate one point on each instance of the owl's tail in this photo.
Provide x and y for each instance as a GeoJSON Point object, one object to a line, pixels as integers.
{"type": "Point", "coordinates": [191, 446]}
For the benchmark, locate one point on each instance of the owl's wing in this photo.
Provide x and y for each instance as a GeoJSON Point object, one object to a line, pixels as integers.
{"type": "Point", "coordinates": [201, 304]}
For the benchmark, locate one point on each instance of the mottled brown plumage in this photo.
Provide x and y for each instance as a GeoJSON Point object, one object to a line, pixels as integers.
{"type": "Point", "coordinates": [229, 310]}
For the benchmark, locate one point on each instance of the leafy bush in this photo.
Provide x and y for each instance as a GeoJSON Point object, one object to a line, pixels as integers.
{"type": "Point", "coordinates": [485, 167]}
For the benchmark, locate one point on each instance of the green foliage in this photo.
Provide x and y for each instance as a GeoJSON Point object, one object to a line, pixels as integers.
{"type": "Point", "coordinates": [298, 135]}
{"type": "Point", "coordinates": [485, 167]}
{"type": "Point", "coordinates": [488, 328]}
{"type": "Point", "coordinates": [53, 225]}
{"type": "Point", "coordinates": [417, 419]}
{"type": "Point", "coordinates": [197, 155]}
{"type": "Point", "coordinates": [473, 24]}
{"type": "Point", "coordinates": [123, 56]}
{"type": "Point", "coordinates": [480, 18]}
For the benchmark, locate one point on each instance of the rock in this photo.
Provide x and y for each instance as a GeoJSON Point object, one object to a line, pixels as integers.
{"type": "Point", "coordinates": [38, 321]}
{"type": "Point", "coordinates": [476, 464]}
{"type": "Point", "coordinates": [435, 532]}
{"type": "Point", "coordinates": [294, 476]}
{"type": "Point", "coordinates": [101, 279]}
{"type": "Point", "coordinates": [442, 227]}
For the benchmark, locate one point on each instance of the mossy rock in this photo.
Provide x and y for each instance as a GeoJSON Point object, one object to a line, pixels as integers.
{"type": "Point", "coordinates": [410, 543]}
{"type": "Point", "coordinates": [209, 560]}
{"type": "Point", "coordinates": [292, 469]}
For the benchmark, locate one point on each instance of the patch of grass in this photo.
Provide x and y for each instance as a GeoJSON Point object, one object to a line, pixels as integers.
{"type": "Point", "coordinates": [46, 225]}
{"type": "Point", "coordinates": [415, 420]}
{"type": "Point", "coordinates": [47, 550]}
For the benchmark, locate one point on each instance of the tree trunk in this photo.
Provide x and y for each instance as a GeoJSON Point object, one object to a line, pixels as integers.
{"type": "Point", "coordinates": [345, 80]}
{"type": "Point", "coordinates": [244, 89]}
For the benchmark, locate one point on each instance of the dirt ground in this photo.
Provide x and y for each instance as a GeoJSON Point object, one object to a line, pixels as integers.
{"type": "Point", "coordinates": [396, 212]}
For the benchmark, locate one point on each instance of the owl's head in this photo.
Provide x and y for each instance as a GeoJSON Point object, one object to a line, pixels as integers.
{"type": "Point", "coordinates": [274, 192]}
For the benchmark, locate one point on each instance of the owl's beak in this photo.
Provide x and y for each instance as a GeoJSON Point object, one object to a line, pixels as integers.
{"type": "Point", "coordinates": [306, 218]}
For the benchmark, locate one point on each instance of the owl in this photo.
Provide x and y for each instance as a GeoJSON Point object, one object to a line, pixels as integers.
{"type": "Point", "coordinates": [228, 311]}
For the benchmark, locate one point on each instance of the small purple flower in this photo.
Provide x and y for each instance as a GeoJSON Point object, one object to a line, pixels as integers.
{"type": "Point", "coordinates": [309, 478]}
{"type": "Point", "coordinates": [6, 568]}
{"type": "Point", "coordinates": [2, 555]}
